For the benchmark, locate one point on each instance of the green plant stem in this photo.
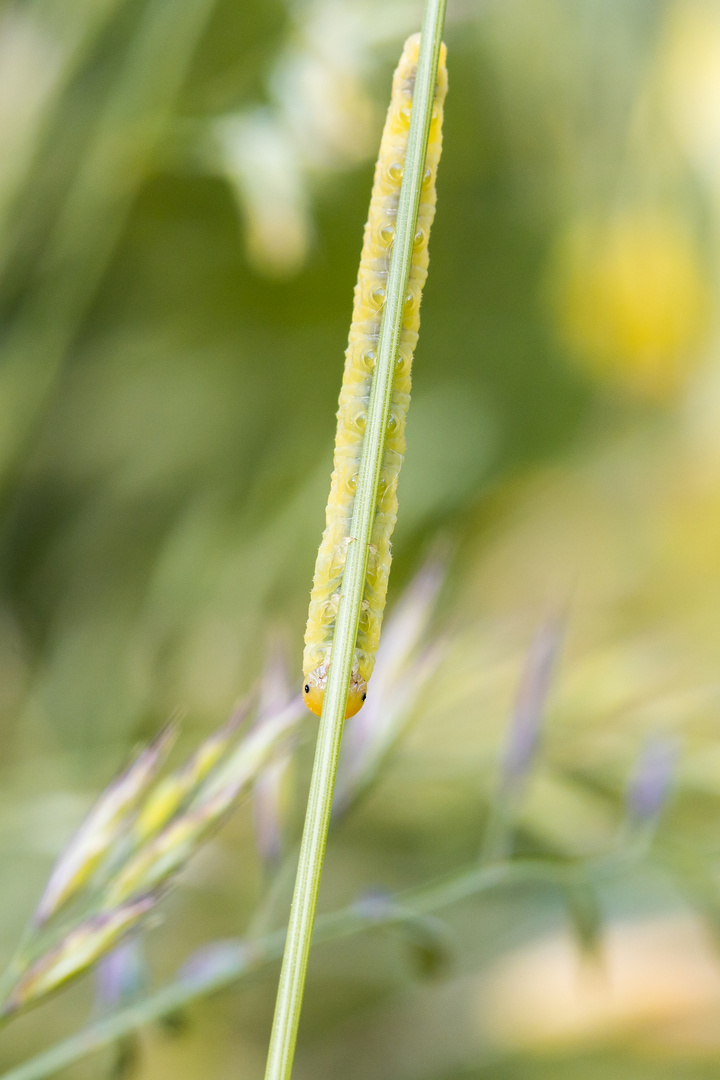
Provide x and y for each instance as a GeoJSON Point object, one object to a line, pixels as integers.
{"type": "Point", "coordinates": [497, 842]}
{"type": "Point", "coordinates": [312, 850]}
{"type": "Point", "coordinates": [249, 956]}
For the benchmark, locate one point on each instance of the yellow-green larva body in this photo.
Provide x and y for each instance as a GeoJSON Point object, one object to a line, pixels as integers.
{"type": "Point", "coordinates": [355, 394]}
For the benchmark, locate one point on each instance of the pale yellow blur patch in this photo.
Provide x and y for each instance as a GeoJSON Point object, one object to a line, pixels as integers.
{"type": "Point", "coordinates": [658, 979]}
{"type": "Point", "coordinates": [631, 301]}
{"type": "Point", "coordinates": [688, 78]}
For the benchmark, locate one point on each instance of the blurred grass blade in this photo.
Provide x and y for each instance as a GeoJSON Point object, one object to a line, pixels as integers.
{"type": "Point", "coordinates": [584, 915]}
{"type": "Point", "coordinates": [428, 944]}
{"type": "Point", "coordinates": [400, 675]}
{"type": "Point", "coordinates": [271, 791]}
{"type": "Point", "coordinates": [525, 725]}
{"type": "Point", "coordinates": [121, 975]}
{"type": "Point", "coordinates": [47, 83]}
{"type": "Point", "coordinates": [243, 764]}
{"type": "Point", "coordinates": [270, 809]}
{"type": "Point", "coordinates": [651, 780]}
{"type": "Point", "coordinates": [426, 937]}
{"type": "Point", "coordinates": [523, 737]}
{"type": "Point", "coordinates": [223, 963]}
{"type": "Point", "coordinates": [93, 215]}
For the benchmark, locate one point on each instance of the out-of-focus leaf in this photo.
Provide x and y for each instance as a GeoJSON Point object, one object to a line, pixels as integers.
{"type": "Point", "coordinates": [584, 915]}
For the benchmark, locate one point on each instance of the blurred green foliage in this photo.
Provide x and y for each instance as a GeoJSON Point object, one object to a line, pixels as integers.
{"type": "Point", "coordinates": [182, 194]}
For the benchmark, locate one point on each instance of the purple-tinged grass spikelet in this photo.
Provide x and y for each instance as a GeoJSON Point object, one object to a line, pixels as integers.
{"type": "Point", "coordinates": [526, 722]}
{"type": "Point", "coordinates": [400, 675]}
{"type": "Point", "coordinates": [270, 806]}
{"type": "Point", "coordinates": [276, 688]}
{"type": "Point", "coordinates": [651, 779]}
{"type": "Point", "coordinates": [214, 959]}
{"type": "Point", "coordinates": [523, 737]}
{"type": "Point", "coordinates": [271, 789]}
{"type": "Point", "coordinates": [121, 974]}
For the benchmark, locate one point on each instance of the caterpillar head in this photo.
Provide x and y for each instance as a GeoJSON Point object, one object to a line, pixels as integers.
{"type": "Point", "coordinates": [314, 691]}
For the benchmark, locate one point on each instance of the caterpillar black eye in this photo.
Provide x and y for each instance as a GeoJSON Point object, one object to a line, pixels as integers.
{"type": "Point", "coordinates": [364, 696]}
{"type": "Point", "coordinates": [307, 688]}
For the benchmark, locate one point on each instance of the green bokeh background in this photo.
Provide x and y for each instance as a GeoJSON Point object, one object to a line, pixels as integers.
{"type": "Point", "coordinates": [167, 396]}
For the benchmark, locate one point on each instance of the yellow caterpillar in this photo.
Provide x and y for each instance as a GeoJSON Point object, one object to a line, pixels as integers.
{"type": "Point", "coordinates": [355, 394]}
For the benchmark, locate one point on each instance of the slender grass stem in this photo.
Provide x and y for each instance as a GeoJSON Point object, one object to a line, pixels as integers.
{"type": "Point", "coordinates": [246, 957]}
{"type": "Point", "coordinates": [317, 820]}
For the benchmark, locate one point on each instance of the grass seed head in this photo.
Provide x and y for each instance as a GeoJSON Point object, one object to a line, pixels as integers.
{"type": "Point", "coordinates": [120, 858]}
{"type": "Point", "coordinates": [652, 779]}
{"type": "Point", "coordinates": [168, 795]}
{"type": "Point", "coordinates": [103, 825]}
{"type": "Point", "coordinates": [80, 948]}
{"type": "Point", "coordinates": [526, 722]}
{"type": "Point", "coordinates": [170, 850]}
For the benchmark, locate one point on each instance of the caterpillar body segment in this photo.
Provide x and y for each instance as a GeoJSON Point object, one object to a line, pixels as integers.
{"type": "Point", "coordinates": [355, 394]}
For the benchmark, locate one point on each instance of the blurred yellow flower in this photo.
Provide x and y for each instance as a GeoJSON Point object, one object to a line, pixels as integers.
{"type": "Point", "coordinates": [631, 301]}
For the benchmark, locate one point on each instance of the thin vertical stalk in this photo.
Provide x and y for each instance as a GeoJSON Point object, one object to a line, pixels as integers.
{"type": "Point", "coordinates": [307, 884]}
